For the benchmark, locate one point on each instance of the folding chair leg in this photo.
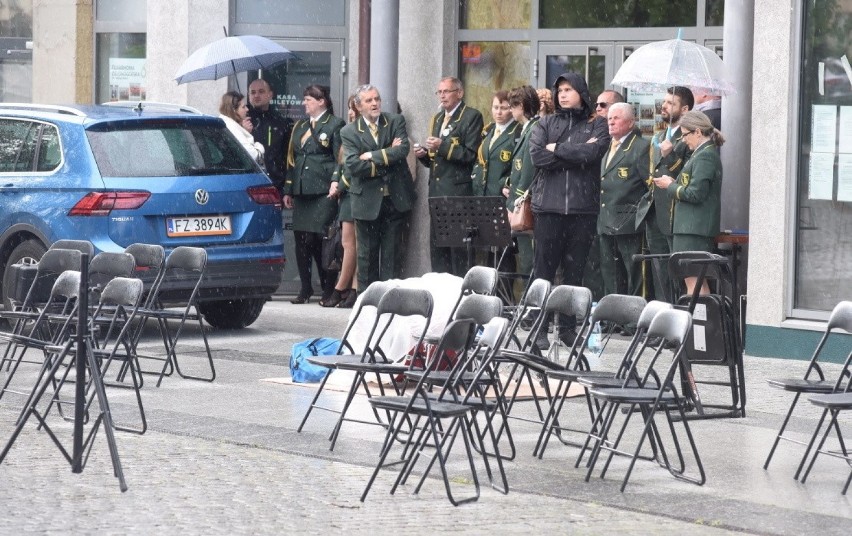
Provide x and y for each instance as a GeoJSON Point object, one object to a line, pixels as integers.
{"type": "Point", "coordinates": [314, 400]}
{"type": "Point", "coordinates": [206, 348]}
{"type": "Point", "coordinates": [781, 431]}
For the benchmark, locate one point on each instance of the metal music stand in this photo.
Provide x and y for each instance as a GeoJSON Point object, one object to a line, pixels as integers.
{"type": "Point", "coordinates": [470, 222]}
{"type": "Point", "coordinates": [84, 361]}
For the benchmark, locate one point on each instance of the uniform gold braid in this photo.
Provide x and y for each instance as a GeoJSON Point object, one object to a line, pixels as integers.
{"type": "Point", "coordinates": [291, 157]}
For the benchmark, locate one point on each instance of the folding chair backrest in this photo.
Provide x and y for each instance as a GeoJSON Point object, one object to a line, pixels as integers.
{"type": "Point", "coordinates": [67, 285]}
{"type": "Point", "coordinates": [107, 265]}
{"type": "Point", "coordinates": [369, 298]}
{"type": "Point", "coordinates": [570, 301]}
{"type": "Point", "coordinates": [537, 293]}
{"type": "Point", "coordinates": [680, 270]}
{"type": "Point", "coordinates": [649, 312]}
{"type": "Point", "coordinates": [185, 263]}
{"type": "Point", "coordinates": [480, 280]}
{"type": "Point", "coordinates": [403, 302]}
{"type": "Point", "coordinates": [841, 318]}
{"type": "Point", "coordinates": [150, 260]}
{"type": "Point", "coordinates": [672, 326]}
{"type": "Point", "coordinates": [123, 291]}
{"type": "Point", "coordinates": [62, 301]}
{"type": "Point", "coordinates": [83, 246]}
{"type": "Point", "coordinates": [48, 269]}
{"type": "Point", "coordinates": [479, 308]}
{"type": "Point", "coordinates": [619, 309]}
{"type": "Point", "coordinates": [493, 332]}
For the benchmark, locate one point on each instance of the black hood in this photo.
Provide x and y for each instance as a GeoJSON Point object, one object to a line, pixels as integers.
{"type": "Point", "coordinates": [579, 84]}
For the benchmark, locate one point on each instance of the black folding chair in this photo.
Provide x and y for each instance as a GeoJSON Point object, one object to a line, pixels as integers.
{"type": "Point", "coordinates": [443, 415]}
{"type": "Point", "coordinates": [369, 300]}
{"type": "Point", "coordinates": [396, 303]}
{"type": "Point", "coordinates": [183, 265]}
{"type": "Point", "coordinates": [106, 266]}
{"type": "Point", "coordinates": [51, 326]}
{"type": "Point", "coordinates": [529, 365]}
{"type": "Point", "coordinates": [814, 381]}
{"type": "Point", "coordinates": [613, 310]}
{"type": "Point", "coordinates": [83, 246]}
{"type": "Point", "coordinates": [654, 392]}
{"type": "Point", "coordinates": [150, 260]}
{"type": "Point", "coordinates": [834, 403]}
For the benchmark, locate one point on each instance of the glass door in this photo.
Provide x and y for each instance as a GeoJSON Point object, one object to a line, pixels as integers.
{"type": "Point", "coordinates": [316, 62]}
{"type": "Point", "coordinates": [593, 61]}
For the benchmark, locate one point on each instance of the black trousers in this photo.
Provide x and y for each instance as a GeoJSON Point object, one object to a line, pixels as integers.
{"type": "Point", "coordinates": [309, 251]}
{"type": "Point", "coordinates": [563, 241]}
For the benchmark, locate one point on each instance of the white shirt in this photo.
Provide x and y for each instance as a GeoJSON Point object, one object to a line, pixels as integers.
{"type": "Point", "coordinates": [253, 148]}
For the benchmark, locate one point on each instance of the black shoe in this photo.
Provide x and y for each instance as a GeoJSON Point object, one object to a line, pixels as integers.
{"type": "Point", "coordinates": [567, 336]}
{"type": "Point", "coordinates": [300, 299]}
{"type": "Point", "coordinates": [542, 343]}
{"type": "Point", "coordinates": [350, 299]}
{"type": "Point", "coordinates": [333, 299]}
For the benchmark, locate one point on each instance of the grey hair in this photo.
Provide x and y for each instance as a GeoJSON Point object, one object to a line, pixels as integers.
{"type": "Point", "coordinates": [457, 84]}
{"type": "Point", "coordinates": [696, 120]}
{"type": "Point", "coordinates": [358, 91]}
{"type": "Point", "coordinates": [629, 113]}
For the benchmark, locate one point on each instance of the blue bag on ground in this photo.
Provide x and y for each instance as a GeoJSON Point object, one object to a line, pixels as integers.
{"type": "Point", "coordinates": [300, 369]}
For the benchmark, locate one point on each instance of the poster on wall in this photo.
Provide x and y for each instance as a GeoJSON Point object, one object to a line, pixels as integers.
{"type": "Point", "coordinates": [648, 107]}
{"type": "Point", "coordinates": [127, 79]}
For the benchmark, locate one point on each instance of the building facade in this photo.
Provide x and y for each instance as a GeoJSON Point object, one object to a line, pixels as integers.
{"type": "Point", "coordinates": [786, 178]}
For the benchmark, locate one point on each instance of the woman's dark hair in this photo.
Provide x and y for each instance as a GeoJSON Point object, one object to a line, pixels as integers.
{"type": "Point", "coordinates": [320, 93]}
{"type": "Point", "coordinates": [230, 103]}
{"type": "Point", "coordinates": [525, 96]}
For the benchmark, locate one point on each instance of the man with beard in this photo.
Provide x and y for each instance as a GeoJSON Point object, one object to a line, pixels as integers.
{"type": "Point", "coordinates": [669, 153]}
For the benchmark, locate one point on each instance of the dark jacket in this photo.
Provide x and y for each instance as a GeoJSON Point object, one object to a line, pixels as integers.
{"type": "Point", "coordinates": [451, 165]}
{"type": "Point", "coordinates": [568, 179]}
{"type": "Point", "coordinates": [272, 130]}
{"type": "Point", "coordinates": [311, 166]}
{"type": "Point", "coordinates": [388, 169]}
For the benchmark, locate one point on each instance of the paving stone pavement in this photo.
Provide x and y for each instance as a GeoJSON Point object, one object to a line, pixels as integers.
{"type": "Point", "coordinates": [224, 457]}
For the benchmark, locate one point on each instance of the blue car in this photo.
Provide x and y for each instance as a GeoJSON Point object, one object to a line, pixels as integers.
{"type": "Point", "coordinates": [157, 174]}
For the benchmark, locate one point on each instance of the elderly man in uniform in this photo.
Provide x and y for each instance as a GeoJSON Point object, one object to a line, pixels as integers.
{"type": "Point", "coordinates": [271, 129]}
{"type": "Point", "coordinates": [624, 176]}
{"type": "Point", "coordinates": [375, 147]}
{"type": "Point", "coordinates": [449, 152]}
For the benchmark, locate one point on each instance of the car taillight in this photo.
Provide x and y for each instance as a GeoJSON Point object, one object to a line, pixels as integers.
{"type": "Point", "coordinates": [265, 195]}
{"type": "Point", "coordinates": [102, 203]}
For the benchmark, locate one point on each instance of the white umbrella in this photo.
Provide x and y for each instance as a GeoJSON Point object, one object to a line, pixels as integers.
{"type": "Point", "coordinates": [663, 64]}
{"type": "Point", "coordinates": [231, 55]}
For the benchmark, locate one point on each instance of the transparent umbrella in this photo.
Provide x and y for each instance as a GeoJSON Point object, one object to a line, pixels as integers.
{"type": "Point", "coordinates": [662, 64]}
{"type": "Point", "coordinates": [231, 55]}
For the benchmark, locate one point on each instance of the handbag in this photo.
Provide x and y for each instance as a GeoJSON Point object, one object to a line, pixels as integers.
{"type": "Point", "coordinates": [521, 219]}
{"type": "Point", "coordinates": [302, 370]}
{"type": "Point", "coordinates": [332, 249]}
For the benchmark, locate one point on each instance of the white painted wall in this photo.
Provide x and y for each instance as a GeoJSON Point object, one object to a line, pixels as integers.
{"type": "Point", "coordinates": [63, 56]}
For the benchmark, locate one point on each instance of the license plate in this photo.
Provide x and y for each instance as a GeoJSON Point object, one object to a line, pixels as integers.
{"type": "Point", "coordinates": [198, 226]}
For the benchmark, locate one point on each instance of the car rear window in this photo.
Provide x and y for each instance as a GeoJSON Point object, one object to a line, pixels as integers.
{"type": "Point", "coordinates": [166, 149]}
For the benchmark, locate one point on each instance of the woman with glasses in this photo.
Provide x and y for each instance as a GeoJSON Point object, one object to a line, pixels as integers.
{"type": "Point", "coordinates": [698, 189]}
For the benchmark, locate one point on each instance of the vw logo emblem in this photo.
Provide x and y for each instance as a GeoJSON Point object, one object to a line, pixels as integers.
{"type": "Point", "coordinates": [202, 197]}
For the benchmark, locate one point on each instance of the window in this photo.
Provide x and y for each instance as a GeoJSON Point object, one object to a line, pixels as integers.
{"type": "Point", "coordinates": [823, 271]}
{"type": "Point", "coordinates": [486, 66]}
{"type": "Point", "coordinates": [494, 14]}
{"type": "Point", "coordinates": [50, 150]}
{"type": "Point", "coordinates": [597, 14]}
{"type": "Point", "coordinates": [152, 149]}
{"type": "Point", "coordinates": [17, 145]}
{"type": "Point", "coordinates": [121, 67]}
{"type": "Point", "coordinates": [16, 31]}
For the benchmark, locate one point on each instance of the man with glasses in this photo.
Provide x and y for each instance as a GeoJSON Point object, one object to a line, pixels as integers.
{"type": "Point", "coordinates": [605, 100]}
{"type": "Point", "coordinates": [449, 152]}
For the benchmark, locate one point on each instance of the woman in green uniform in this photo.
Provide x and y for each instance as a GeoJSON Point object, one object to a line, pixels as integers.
{"type": "Point", "coordinates": [525, 105]}
{"type": "Point", "coordinates": [698, 189]}
{"type": "Point", "coordinates": [311, 162]}
{"type": "Point", "coordinates": [494, 157]}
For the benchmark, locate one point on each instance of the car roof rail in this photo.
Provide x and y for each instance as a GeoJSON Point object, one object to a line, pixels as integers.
{"type": "Point", "coordinates": [152, 105]}
{"type": "Point", "coordinates": [42, 108]}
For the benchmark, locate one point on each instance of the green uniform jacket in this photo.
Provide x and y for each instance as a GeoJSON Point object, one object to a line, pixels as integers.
{"type": "Point", "coordinates": [387, 171]}
{"type": "Point", "coordinates": [311, 166]}
{"type": "Point", "coordinates": [698, 191]}
{"type": "Point", "coordinates": [623, 183]}
{"type": "Point", "coordinates": [451, 165]}
{"type": "Point", "coordinates": [658, 201]}
{"type": "Point", "coordinates": [523, 170]}
{"type": "Point", "coordinates": [494, 161]}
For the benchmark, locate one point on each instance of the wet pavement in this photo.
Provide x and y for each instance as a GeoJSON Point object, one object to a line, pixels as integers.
{"type": "Point", "coordinates": [225, 457]}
